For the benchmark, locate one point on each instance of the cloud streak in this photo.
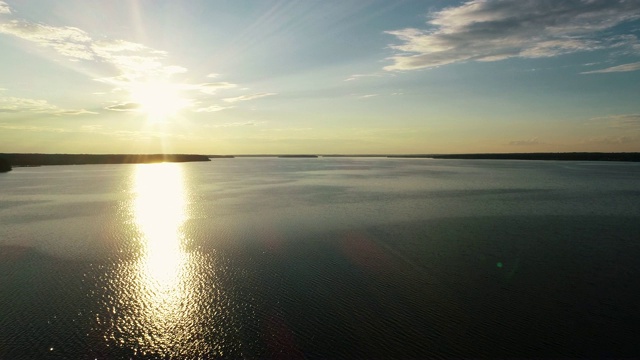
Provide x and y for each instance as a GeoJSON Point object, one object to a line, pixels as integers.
{"type": "Point", "coordinates": [613, 140]}
{"type": "Point", "coordinates": [68, 41]}
{"type": "Point", "coordinates": [493, 30]}
{"type": "Point", "coordinates": [4, 8]}
{"type": "Point", "coordinates": [124, 107]}
{"type": "Point", "coordinates": [93, 129]}
{"type": "Point", "coordinates": [212, 88]}
{"type": "Point", "coordinates": [359, 76]}
{"type": "Point", "coordinates": [213, 108]}
{"type": "Point", "coordinates": [618, 129]}
{"type": "Point", "coordinates": [529, 142]}
{"type": "Point", "coordinates": [131, 66]}
{"type": "Point", "coordinates": [624, 122]}
{"type": "Point", "coordinates": [248, 97]}
{"type": "Point", "coordinates": [133, 63]}
{"type": "Point", "coordinates": [132, 60]}
{"type": "Point", "coordinates": [236, 124]}
{"type": "Point", "coordinates": [620, 68]}
{"type": "Point", "coordinates": [23, 105]}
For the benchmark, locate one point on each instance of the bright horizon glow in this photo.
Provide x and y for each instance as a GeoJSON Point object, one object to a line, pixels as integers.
{"type": "Point", "coordinates": [350, 77]}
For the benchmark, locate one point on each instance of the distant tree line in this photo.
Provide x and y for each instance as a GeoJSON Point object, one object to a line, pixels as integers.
{"type": "Point", "coordinates": [5, 165]}
{"type": "Point", "coordinates": [575, 156]}
{"type": "Point", "coordinates": [83, 159]}
{"type": "Point", "coordinates": [298, 156]}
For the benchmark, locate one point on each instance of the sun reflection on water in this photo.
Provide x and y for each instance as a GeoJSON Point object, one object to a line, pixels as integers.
{"type": "Point", "coordinates": [160, 211]}
{"type": "Point", "coordinates": [157, 299]}
{"type": "Point", "coordinates": [163, 269]}
{"type": "Point", "coordinates": [163, 298]}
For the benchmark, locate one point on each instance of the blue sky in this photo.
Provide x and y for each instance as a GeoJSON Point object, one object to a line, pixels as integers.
{"type": "Point", "coordinates": [238, 77]}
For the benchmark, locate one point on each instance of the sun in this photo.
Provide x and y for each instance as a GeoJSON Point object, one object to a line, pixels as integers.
{"type": "Point", "coordinates": [158, 99]}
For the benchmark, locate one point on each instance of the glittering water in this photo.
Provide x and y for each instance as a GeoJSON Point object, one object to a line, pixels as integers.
{"type": "Point", "coordinates": [328, 257]}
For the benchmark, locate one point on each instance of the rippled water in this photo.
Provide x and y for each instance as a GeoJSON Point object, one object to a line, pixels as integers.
{"type": "Point", "coordinates": [328, 257]}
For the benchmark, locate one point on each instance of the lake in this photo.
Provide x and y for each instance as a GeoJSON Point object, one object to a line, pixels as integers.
{"type": "Point", "coordinates": [316, 258]}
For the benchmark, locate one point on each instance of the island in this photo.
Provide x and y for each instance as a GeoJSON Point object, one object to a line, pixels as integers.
{"type": "Point", "coordinates": [5, 165]}
{"type": "Point", "coordinates": [86, 159]}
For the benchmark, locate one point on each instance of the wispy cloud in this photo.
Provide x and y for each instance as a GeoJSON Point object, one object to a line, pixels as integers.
{"type": "Point", "coordinates": [211, 88]}
{"type": "Point", "coordinates": [4, 8]}
{"type": "Point", "coordinates": [613, 140]}
{"type": "Point", "coordinates": [377, 74]}
{"type": "Point", "coordinates": [359, 76]}
{"type": "Point", "coordinates": [236, 124]}
{"type": "Point", "coordinates": [616, 129]}
{"type": "Point", "coordinates": [68, 41]}
{"type": "Point", "coordinates": [213, 108]}
{"type": "Point", "coordinates": [32, 128]}
{"type": "Point", "coordinates": [137, 135]}
{"type": "Point", "coordinates": [140, 135]}
{"type": "Point", "coordinates": [367, 96]}
{"type": "Point", "coordinates": [124, 107]}
{"type": "Point", "coordinates": [625, 122]}
{"type": "Point", "coordinates": [620, 68]}
{"type": "Point", "coordinates": [91, 128]}
{"type": "Point", "coordinates": [492, 30]}
{"type": "Point", "coordinates": [529, 142]}
{"type": "Point", "coordinates": [248, 97]}
{"type": "Point", "coordinates": [23, 105]}
{"type": "Point", "coordinates": [71, 41]}
{"type": "Point", "coordinates": [134, 64]}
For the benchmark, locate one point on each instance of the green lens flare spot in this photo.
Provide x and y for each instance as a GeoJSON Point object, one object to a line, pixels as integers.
{"type": "Point", "coordinates": [499, 264]}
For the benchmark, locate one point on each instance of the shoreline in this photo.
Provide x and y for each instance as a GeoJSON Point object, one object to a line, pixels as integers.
{"type": "Point", "coordinates": [31, 160]}
{"type": "Point", "coordinates": [572, 156]}
{"type": "Point", "coordinates": [40, 159]}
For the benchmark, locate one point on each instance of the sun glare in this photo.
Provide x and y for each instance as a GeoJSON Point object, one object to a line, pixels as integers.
{"type": "Point", "coordinates": [159, 100]}
{"type": "Point", "coordinates": [160, 210]}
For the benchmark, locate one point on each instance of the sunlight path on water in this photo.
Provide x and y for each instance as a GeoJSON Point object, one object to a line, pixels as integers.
{"type": "Point", "coordinates": [160, 302]}
{"type": "Point", "coordinates": [160, 211]}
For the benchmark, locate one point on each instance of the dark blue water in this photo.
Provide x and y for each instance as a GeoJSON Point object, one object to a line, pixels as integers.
{"type": "Point", "coordinates": [328, 257]}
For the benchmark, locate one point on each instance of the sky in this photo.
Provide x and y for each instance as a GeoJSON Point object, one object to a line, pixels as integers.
{"type": "Point", "coordinates": [322, 77]}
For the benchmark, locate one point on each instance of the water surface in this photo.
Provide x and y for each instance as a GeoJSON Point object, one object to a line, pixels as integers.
{"type": "Point", "coordinates": [328, 257]}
